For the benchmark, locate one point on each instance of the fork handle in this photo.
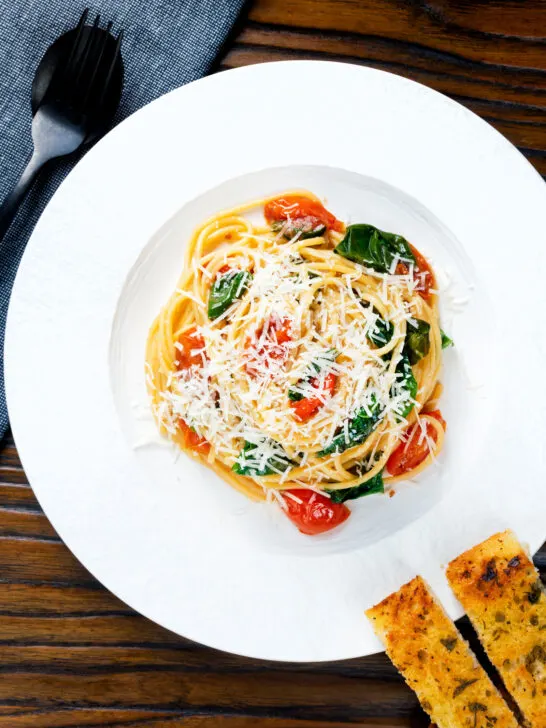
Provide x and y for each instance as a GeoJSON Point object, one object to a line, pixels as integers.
{"type": "Point", "coordinates": [11, 204]}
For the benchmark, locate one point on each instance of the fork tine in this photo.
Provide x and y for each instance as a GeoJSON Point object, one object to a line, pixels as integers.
{"type": "Point", "coordinates": [77, 39]}
{"type": "Point", "coordinates": [81, 62]}
{"type": "Point", "coordinates": [108, 78]}
{"type": "Point", "coordinates": [99, 54]}
{"type": "Point", "coordinates": [61, 72]}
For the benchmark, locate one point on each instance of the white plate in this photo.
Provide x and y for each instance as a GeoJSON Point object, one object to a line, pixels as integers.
{"type": "Point", "coordinates": [166, 536]}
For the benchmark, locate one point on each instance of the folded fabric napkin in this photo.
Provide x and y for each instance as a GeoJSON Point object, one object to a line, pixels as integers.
{"type": "Point", "coordinates": [166, 43]}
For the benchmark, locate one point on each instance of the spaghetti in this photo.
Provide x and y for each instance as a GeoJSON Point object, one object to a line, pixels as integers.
{"type": "Point", "coordinates": [299, 359]}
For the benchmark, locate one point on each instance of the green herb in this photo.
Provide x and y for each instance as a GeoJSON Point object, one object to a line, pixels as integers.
{"type": "Point", "coordinates": [382, 332]}
{"type": "Point", "coordinates": [369, 246]}
{"type": "Point", "coordinates": [227, 289]}
{"type": "Point", "coordinates": [294, 395]}
{"type": "Point", "coordinates": [449, 643]}
{"type": "Point", "coordinates": [417, 343]}
{"type": "Point", "coordinates": [373, 485]}
{"type": "Point", "coordinates": [302, 225]}
{"type": "Point", "coordinates": [464, 684]}
{"type": "Point", "coordinates": [406, 384]}
{"type": "Point", "coordinates": [357, 431]}
{"type": "Point", "coordinates": [249, 463]}
{"type": "Point", "coordinates": [446, 340]}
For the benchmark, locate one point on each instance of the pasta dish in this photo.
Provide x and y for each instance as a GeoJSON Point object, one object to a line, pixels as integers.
{"type": "Point", "coordinates": [299, 357]}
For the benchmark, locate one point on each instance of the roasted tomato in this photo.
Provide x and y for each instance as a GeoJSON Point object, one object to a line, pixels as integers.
{"type": "Point", "coordinates": [411, 453]}
{"type": "Point", "coordinates": [270, 348]}
{"type": "Point", "coordinates": [307, 407]}
{"type": "Point", "coordinates": [315, 513]}
{"type": "Point", "coordinates": [190, 351]}
{"type": "Point", "coordinates": [303, 215]}
{"type": "Point", "coordinates": [191, 440]}
{"type": "Point", "coordinates": [190, 354]}
{"type": "Point", "coordinates": [422, 274]}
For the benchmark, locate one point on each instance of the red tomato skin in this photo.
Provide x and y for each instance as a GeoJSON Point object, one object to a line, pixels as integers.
{"type": "Point", "coordinates": [422, 273]}
{"type": "Point", "coordinates": [190, 341]}
{"type": "Point", "coordinates": [296, 207]}
{"type": "Point", "coordinates": [282, 331]}
{"type": "Point", "coordinates": [407, 456]}
{"type": "Point", "coordinates": [192, 440]}
{"type": "Point", "coordinates": [316, 513]}
{"type": "Point", "coordinates": [306, 408]}
{"type": "Point", "coordinates": [427, 281]}
{"type": "Point", "coordinates": [437, 416]}
{"type": "Point", "coordinates": [279, 332]}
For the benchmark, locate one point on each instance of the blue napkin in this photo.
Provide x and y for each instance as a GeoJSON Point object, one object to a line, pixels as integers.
{"type": "Point", "coordinates": [166, 43]}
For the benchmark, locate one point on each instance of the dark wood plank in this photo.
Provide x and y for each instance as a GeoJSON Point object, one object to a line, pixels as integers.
{"type": "Point", "coordinates": [18, 496]}
{"type": "Point", "coordinates": [43, 560]}
{"type": "Point", "coordinates": [175, 656]}
{"type": "Point", "coordinates": [71, 654]}
{"type": "Point", "coordinates": [325, 697]}
{"type": "Point", "coordinates": [78, 718]}
{"type": "Point", "coordinates": [456, 28]}
{"type": "Point", "coordinates": [43, 599]}
{"type": "Point", "coordinates": [23, 523]}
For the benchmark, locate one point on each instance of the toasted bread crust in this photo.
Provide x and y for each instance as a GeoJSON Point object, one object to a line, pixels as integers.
{"type": "Point", "coordinates": [500, 590]}
{"type": "Point", "coordinates": [436, 662]}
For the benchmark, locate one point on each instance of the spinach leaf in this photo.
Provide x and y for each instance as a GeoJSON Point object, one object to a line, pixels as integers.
{"type": "Point", "coordinates": [249, 462]}
{"type": "Point", "coordinates": [382, 331]}
{"type": "Point", "coordinates": [314, 368]}
{"type": "Point", "coordinates": [417, 343]}
{"type": "Point", "coordinates": [374, 485]}
{"type": "Point", "coordinates": [406, 385]}
{"type": "Point", "coordinates": [305, 226]}
{"type": "Point", "coordinates": [227, 289]}
{"type": "Point", "coordinates": [358, 430]}
{"type": "Point", "coordinates": [369, 246]}
{"type": "Point", "coordinates": [446, 340]}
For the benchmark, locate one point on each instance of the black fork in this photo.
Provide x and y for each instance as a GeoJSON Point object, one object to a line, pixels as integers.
{"type": "Point", "coordinates": [74, 105]}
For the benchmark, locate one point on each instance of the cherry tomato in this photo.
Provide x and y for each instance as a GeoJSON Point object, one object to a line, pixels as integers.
{"type": "Point", "coordinates": [193, 349]}
{"type": "Point", "coordinates": [316, 513]}
{"type": "Point", "coordinates": [272, 347]}
{"type": "Point", "coordinates": [192, 440]}
{"type": "Point", "coordinates": [411, 453]}
{"type": "Point", "coordinates": [304, 213]}
{"type": "Point", "coordinates": [224, 269]}
{"type": "Point", "coordinates": [422, 273]}
{"type": "Point", "coordinates": [307, 407]}
{"type": "Point", "coordinates": [282, 331]}
{"type": "Point", "coordinates": [437, 416]}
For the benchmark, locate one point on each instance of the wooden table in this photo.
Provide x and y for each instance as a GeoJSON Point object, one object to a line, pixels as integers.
{"type": "Point", "coordinates": [71, 654]}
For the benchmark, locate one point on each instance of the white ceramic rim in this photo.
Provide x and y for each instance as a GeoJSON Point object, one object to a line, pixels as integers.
{"type": "Point", "coordinates": [75, 266]}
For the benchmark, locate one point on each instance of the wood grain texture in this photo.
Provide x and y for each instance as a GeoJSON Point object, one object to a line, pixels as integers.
{"type": "Point", "coordinates": [71, 654]}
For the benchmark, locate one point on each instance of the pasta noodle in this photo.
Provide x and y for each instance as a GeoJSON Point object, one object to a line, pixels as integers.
{"type": "Point", "coordinates": [285, 365]}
